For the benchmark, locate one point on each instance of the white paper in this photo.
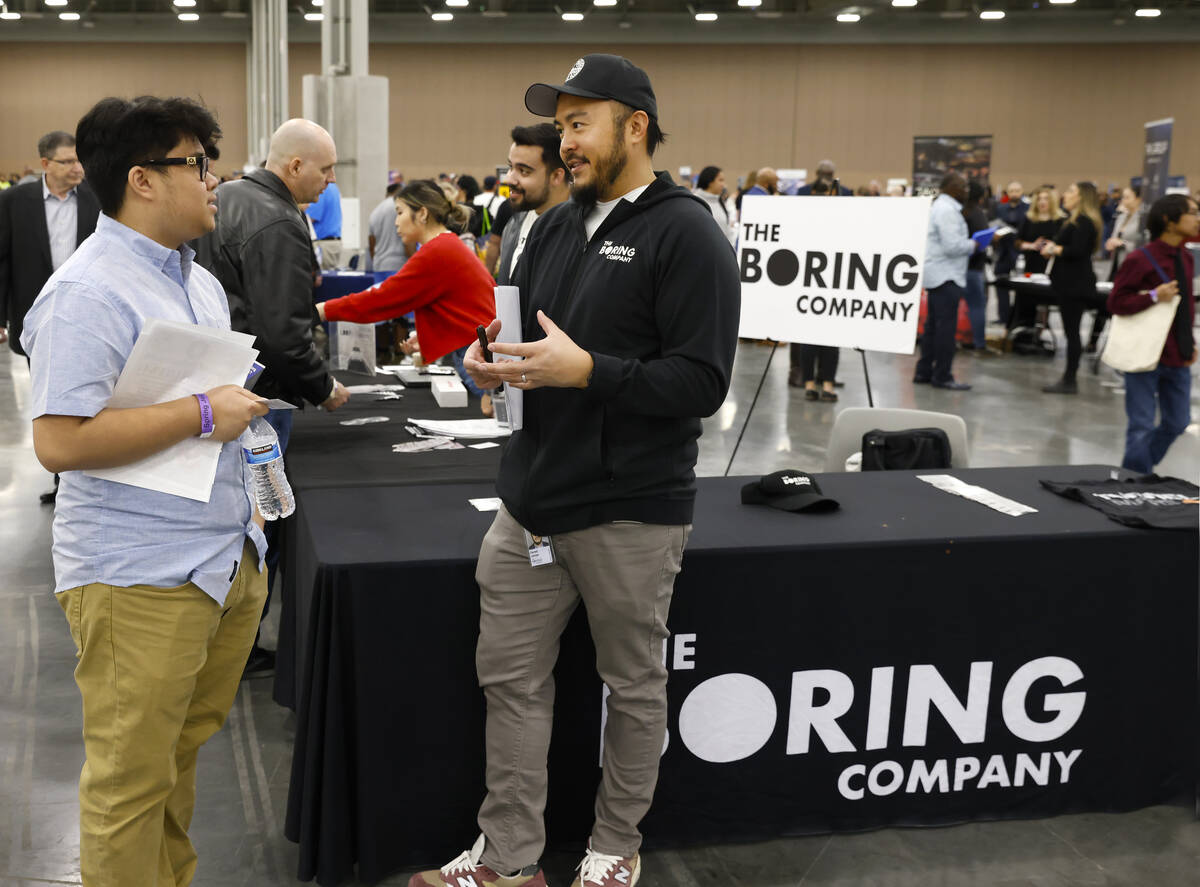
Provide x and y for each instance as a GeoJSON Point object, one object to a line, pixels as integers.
{"type": "Point", "coordinates": [172, 360]}
{"type": "Point", "coordinates": [374, 389]}
{"type": "Point", "coordinates": [486, 445]}
{"type": "Point", "coordinates": [508, 310]}
{"type": "Point", "coordinates": [485, 504]}
{"type": "Point", "coordinates": [276, 404]}
{"type": "Point", "coordinates": [466, 429]}
{"type": "Point", "coordinates": [982, 495]}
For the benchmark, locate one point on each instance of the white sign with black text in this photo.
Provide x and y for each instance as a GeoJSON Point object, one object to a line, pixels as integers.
{"type": "Point", "coordinates": [841, 271]}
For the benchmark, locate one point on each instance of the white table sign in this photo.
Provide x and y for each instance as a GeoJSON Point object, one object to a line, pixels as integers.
{"type": "Point", "coordinates": [842, 271]}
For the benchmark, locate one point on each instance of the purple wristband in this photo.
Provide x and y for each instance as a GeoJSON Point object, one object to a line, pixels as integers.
{"type": "Point", "coordinates": [206, 416]}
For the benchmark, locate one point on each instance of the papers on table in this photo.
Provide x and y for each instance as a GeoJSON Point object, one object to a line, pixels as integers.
{"type": "Point", "coordinates": [508, 310]}
{"type": "Point", "coordinates": [981, 495]}
{"type": "Point", "coordinates": [374, 389]}
{"type": "Point", "coordinates": [486, 445]}
{"type": "Point", "coordinates": [172, 360]}
{"type": "Point", "coordinates": [485, 504]}
{"type": "Point", "coordinates": [464, 429]}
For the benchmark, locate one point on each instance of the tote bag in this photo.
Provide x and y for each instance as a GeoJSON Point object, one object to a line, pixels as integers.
{"type": "Point", "coordinates": [1135, 342]}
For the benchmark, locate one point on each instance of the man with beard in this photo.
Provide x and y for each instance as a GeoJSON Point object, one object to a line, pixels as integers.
{"type": "Point", "coordinates": [630, 303]}
{"type": "Point", "coordinates": [537, 181]}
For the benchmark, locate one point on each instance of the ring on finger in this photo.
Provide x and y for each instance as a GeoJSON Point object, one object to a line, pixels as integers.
{"type": "Point", "coordinates": [523, 379]}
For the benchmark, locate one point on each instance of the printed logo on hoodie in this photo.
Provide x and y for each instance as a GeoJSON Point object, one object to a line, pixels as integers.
{"type": "Point", "coordinates": [617, 253]}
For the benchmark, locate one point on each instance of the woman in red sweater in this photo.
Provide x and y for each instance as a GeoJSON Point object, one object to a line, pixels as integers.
{"type": "Point", "coordinates": [443, 281]}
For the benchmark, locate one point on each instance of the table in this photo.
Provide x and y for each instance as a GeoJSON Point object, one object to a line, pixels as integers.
{"type": "Point", "coordinates": [324, 454]}
{"type": "Point", "coordinates": [335, 284]}
{"type": "Point", "coordinates": [805, 651]}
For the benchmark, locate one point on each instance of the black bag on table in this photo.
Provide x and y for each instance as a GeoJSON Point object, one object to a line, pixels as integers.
{"type": "Point", "coordinates": [905, 450]}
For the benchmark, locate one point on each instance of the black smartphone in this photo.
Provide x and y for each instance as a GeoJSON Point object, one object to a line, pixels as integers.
{"type": "Point", "coordinates": [483, 342]}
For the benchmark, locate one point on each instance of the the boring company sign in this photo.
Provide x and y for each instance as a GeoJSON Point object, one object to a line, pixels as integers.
{"type": "Point", "coordinates": [842, 271]}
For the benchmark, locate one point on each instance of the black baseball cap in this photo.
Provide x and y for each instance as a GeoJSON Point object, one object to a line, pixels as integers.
{"type": "Point", "coordinates": [597, 76]}
{"type": "Point", "coordinates": [788, 490]}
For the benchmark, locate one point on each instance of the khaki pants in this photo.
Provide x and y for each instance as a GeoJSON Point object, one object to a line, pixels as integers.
{"type": "Point", "coordinates": [158, 669]}
{"type": "Point", "coordinates": [331, 253]}
{"type": "Point", "coordinates": [624, 573]}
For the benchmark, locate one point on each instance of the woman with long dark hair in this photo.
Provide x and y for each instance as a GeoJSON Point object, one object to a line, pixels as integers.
{"type": "Point", "coordinates": [443, 281]}
{"type": "Point", "coordinates": [1072, 277]}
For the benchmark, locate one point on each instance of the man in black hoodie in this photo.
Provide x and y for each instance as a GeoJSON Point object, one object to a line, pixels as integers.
{"type": "Point", "coordinates": [630, 303]}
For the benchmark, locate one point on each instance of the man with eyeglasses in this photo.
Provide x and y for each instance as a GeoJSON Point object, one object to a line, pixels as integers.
{"type": "Point", "coordinates": [41, 224]}
{"type": "Point", "coordinates": [162, 593]}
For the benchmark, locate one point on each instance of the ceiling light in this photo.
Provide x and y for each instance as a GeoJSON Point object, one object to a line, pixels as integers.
{"type": "Point", "coordinates": [1061, 2]}
{"type": "Point", "coordinates": [604, 2]}
{"type": "Point", "coordinates": [706, 16]}
{"type": "Point", "coordinates": [189, 17]}
{"type": "Point", "coordinates": [188, 4]}
{"type": "Point", "coordinates": [443, 16]}
{"type": "Point", "coordinates": [572, 16]}
{"type": "Point", "coordinates": [749, 4]}
{"type": "Point", "coordinates": [9, 16]}
{"type": "Point", "coordinates": [314, 16]}
{"type": "Point", "coordinates": [318, 3]}
{"type": "Point", "coordinates": [848, 17]}
{"type": "Point", "coordinates": [459, 3]}
{"type": "Point", "coordinates": [56, 2]}
{"type": "Point", "coordinates": [1148, 13]}
{"type": "Point", "coordinates": [992, 15]}
{"type": "Point", "coordinates": [904, 3]}
{"type": "Point", "coordinates": [69, 16]}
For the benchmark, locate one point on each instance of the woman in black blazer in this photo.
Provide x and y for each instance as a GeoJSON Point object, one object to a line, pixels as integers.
{"type": "Point", "coordinates": [1072, 277]}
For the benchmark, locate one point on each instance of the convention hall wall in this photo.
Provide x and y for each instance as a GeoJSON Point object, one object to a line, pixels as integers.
{"type": "Point", "coordinates": [737, 106]}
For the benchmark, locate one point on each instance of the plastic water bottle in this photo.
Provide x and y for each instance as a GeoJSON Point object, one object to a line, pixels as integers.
{"type": "Point", "coordinates": [260, 444]}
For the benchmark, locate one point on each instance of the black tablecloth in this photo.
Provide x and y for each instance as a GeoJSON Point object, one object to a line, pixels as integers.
{"type": "Point", "coordinates": [905, 586]}
{"type": "Point", "coordinates": [324, 453]}
{"type": "Point", "coordinates": [1044, 294]}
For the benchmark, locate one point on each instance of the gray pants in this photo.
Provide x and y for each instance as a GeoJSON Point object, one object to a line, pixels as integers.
{"type": "Point", "coordinates": [331, 254]}
{"type": "Point", "coordinates": [624, 573]}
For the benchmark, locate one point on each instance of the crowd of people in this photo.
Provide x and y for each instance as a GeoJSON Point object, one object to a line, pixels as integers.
{"type": "Point", "coordinates": [597, 487]}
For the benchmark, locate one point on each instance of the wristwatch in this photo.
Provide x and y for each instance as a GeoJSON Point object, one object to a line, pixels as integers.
{"type": "Point", "coordinates": [206, 416]}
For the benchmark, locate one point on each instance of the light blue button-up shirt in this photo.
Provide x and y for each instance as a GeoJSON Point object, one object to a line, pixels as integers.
{"type": "Point", "coordinates": [78, 335]}
{"type": "Point", "coordinates": [62, 224]}
{"type": "Point", "coordinates": [948, 246]}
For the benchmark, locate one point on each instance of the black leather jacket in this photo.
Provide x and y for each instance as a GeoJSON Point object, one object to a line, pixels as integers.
{"type": "Point", "coordinates": [261, 253]}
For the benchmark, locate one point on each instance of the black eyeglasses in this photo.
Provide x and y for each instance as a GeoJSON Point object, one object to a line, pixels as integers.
{"type": "Point", "coordinates": [197, 160]}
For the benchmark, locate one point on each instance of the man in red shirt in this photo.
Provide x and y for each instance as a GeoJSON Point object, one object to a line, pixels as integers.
{"type": "Point", "coordinates": [1160, 271]}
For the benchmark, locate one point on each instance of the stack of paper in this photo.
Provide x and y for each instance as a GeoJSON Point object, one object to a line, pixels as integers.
{"type": "Point", "coordinates": [465, 429]}
{"type": "Point", "coordinates": [172, 360]}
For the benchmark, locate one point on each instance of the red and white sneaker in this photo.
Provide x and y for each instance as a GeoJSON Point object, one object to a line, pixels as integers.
{"type": "Point", "coordinates": [466, 871]}
{"type": "Point", "coordinates": [602, 870]}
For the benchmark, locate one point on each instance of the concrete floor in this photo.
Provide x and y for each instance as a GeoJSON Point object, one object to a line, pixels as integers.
{"type": "Point", "coordinates": [244, 769]}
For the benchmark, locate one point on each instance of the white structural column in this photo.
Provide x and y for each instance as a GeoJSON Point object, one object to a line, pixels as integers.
{"type": "Point", "coordinates": [353, 106]}
{"type": "Point", "coordinates": [267, 80]}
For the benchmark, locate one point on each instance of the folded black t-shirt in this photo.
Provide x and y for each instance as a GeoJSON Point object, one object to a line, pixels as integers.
{"type": "Point", "coordinates": [1153, 502]}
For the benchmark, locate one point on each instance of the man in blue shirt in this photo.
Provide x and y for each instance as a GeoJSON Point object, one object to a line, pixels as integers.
{"type": "Point", "coordinates": [162, 593]}
{"type": "Point", "coordinates": [326, 215]}
{"type": "Point", "coordinates": [947, 251]}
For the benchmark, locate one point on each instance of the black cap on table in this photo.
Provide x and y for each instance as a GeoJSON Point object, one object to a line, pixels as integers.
{"type": "Point", "coordinates": [788, 490]}
{"type": "Point", "coordinates": [597, 76]}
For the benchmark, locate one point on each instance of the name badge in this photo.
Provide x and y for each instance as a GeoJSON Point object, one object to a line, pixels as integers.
{"type": "Point", "coordinates": [541, 549]}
